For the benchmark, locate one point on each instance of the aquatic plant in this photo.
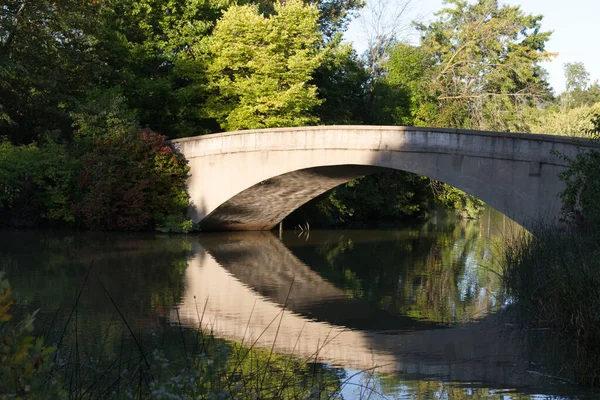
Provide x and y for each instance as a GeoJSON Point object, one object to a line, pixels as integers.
{"type": "Point", "coordinates": [554, 278]}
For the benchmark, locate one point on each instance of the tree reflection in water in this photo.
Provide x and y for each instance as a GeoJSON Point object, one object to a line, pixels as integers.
{"type": "Point", "coordinates": [388, 298]}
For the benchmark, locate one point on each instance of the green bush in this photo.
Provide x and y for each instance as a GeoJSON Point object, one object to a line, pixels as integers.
{"type": "Point", "coordinates": [465, 205]}
{"type": "Point", "coordinates": [35, 184]}
{"type": "Point", "coordinates": [582, 121]}
{"type": "Point", "coordinates": [173, 224]}
{"type": "Point", "coordinates": [388, 196]}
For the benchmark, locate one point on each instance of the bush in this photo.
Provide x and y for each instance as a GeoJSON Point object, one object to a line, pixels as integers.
{"type": "Point", "coordinates": [582, 121]}
{"type": "Point", "coordinates": [465, 205]}
{"type": "Point", "coordinates": [128, 178]}
{"type": "Point", "coordinates": [174, 224]}
{"type": "Point", "coordinates": [580, 205]}
{"type": "Point", "coordinates": [35, 184]}
{"type": "Point", "coordinates": [388, 196]}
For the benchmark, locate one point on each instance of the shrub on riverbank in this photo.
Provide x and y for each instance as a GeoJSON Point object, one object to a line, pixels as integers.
{"type": "Point", "coordinates": [554, 279]}
{"type": "Point", "coordinates": [129, 179]}
{"type": "Point", "coordinates": [35, 183]}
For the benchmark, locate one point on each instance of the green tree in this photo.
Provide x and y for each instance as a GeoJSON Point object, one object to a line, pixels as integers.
{"type": "Point", "coordinates": [578, 91]}
{"type": "Point", "coordinates": [46, 59]}
{"type": "Point", "coordinates": [260, 67]}
{"type": "Point", "coordinates": [35, 184]}
{"type": "Point", "coordinates": [335, 15]}
{"type": "Point", "coordinates": [341, 80]}
{"type": "Point", "coordinates": [581, 121]}
{"type": "Point", "coordinates": [479, 66]}
{"type": "Point", "coordinates": [576, 76]}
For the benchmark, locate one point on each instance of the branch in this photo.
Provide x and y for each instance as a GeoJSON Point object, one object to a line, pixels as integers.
{"type": "Point", "coordinates": [477, 96]}
{"type": "Point", "coordinates": [6, 47]}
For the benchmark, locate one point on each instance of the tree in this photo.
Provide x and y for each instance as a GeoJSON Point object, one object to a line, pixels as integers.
{"type": "Point", "coordinates": [45, 64]}
{"type": "Point", "coordinates": [580, 121]}
{"type": "Point", "coordinates": [576, 76]}
{"type": "Point", "coordinates": [342, 81]}
{"type": "Point", "coordinates": [382, 22]}
{"type": "Point", "coordinates": [261, 67]}
{"type": "Point", "coordinates": [578, 92]}
{"type": "Point", "coordinates": [335, 15]}
{"type": "Point", "coordinates": [482, 66]}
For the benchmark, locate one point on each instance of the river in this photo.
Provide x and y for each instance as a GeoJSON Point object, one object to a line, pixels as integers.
{"type": "Point", "coordinates": [412, 312]}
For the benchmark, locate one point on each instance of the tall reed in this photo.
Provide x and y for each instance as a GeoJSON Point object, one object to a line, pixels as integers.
{"type": "Point", "coordinates": [553, 277]}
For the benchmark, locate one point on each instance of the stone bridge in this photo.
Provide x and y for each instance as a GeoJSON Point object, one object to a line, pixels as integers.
{"type": "Point", "coordinates": [253, 179]}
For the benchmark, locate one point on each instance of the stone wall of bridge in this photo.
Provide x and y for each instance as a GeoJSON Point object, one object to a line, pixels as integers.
{"type": "Point", "coordinates": [251, 180]}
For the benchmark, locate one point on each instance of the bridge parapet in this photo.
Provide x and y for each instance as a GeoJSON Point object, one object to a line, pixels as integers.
{"type": "Point", "coordinates": [252, 179]}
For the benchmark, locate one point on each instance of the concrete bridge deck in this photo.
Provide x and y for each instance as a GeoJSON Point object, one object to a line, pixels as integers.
{"type": "Point", "coordinates": [251, 180]}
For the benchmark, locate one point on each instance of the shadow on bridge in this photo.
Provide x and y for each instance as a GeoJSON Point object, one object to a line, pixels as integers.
{"type": "Point", "coordinates": [251, 180]}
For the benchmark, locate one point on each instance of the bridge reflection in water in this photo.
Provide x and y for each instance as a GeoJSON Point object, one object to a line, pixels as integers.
{"type": "Point", "coordinates": [248, 287]}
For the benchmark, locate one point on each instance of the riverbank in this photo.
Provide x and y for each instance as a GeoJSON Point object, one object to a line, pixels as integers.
{"type": "Point", "coordinates": [553, 280]}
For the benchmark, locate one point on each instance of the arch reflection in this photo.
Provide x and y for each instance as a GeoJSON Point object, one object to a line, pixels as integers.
{"type": "Point", "coordinates": [248, 287]}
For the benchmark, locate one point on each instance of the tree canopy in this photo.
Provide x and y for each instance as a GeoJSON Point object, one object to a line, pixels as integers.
{"type": "Point", "coordinates": [477, 66]}
{"type": "Point", "coordinates": [261, 66]}
{"type": "Point", "coordinates": [77, 77]}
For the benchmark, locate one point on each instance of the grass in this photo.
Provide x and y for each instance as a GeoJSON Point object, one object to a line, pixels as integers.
{"type": "Point", "coordinates": [553, 278]}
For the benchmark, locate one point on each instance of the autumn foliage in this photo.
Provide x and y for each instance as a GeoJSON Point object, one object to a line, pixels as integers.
{"type": "Point", "coordinates": [130, 180]}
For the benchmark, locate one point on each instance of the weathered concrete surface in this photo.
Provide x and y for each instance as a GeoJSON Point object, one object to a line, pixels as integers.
{"type": "Point", "coordinates": [251, 180]}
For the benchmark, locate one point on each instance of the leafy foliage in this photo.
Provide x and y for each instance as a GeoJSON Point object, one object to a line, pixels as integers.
{"type": "Point", "coordinates": [25, 363]}
{"type": "Point", "coordinates": [128, 179]}
{"type": "Point", "coordinates": [478, 66]}
{"type": "Point", "coordinates": [580, 196]}
{"type": "Point", "coordinates": [35, 184]}
{"type": "Point", "coordinates": [467, 206]}
{"type": "Point", "coordinates": [582, 121]}
{"type": "Point", "coordinates": [45, 64]}
{"type": "Point", "coordinates": [261, 66]}
{"type": "Point", "coordinates": [389, 196]}
{"type": "Point", "coordinates": [341, 80]}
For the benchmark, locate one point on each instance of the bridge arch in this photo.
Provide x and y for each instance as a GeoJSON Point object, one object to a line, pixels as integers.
{"type": "Point", "coordinates": [251, 180]}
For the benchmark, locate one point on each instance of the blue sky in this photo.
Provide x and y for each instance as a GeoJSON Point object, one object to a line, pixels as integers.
{"type": "Point", "coordinates": [575, 25]}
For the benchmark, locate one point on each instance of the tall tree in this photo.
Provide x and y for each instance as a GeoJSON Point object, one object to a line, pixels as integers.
{"type": "Point", "coordinates": [46, 61]}
{"type": "Point", "coordinates": [576, 76]}
{"type": "Point", "coordinates": [260, 67]}
{"type": "Point", "coordinates": [342, 82]}
{"type": "Point", "coordinates": [483, 69]}
{"type": "Point", "coordinates": [578, 91]}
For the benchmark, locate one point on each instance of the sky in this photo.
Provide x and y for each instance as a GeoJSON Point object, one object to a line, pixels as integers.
{"type": "Point", "coordinates": [575, 26]}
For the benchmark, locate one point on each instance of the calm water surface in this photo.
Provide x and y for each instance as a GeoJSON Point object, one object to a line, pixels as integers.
{"type": "Point", "coordinates": [420, 306]}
